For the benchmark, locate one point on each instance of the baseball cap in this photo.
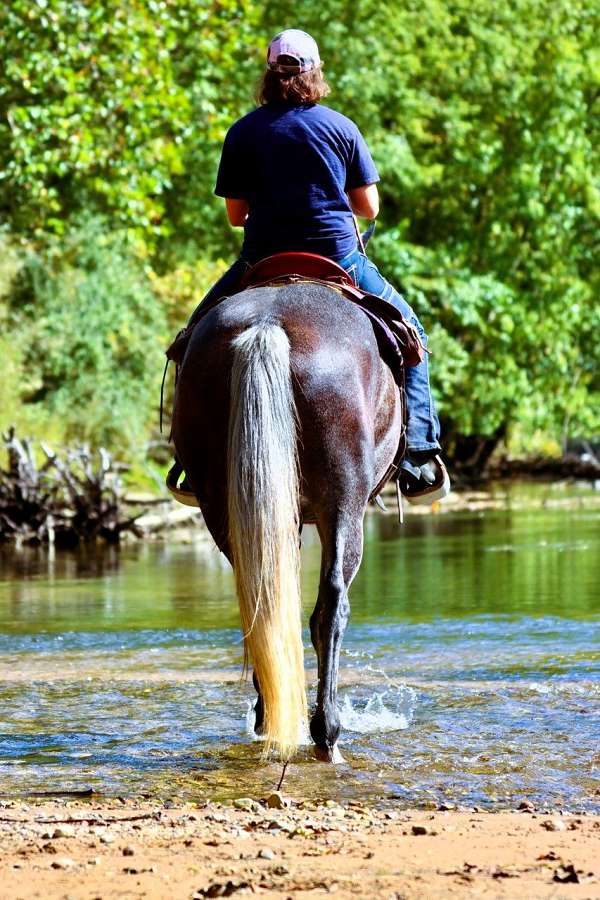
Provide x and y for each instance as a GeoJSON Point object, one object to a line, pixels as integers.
{"type": "Point", "coordinates": [296, 44]}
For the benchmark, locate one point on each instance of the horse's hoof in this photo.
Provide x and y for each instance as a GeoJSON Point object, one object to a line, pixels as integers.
{"type": "Point", "coordinates": [329, 755]}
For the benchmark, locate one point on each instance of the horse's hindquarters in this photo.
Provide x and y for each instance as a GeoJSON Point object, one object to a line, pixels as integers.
{"type": "Point", "coordinates": [346, 434]}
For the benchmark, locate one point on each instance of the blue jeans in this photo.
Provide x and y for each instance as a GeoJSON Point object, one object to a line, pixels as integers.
{"type": "Point", "coordinates": [423, 429]}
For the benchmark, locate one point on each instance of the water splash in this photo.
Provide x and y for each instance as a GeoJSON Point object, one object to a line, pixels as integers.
{"type": "Point", "coordinates": [391, 710]}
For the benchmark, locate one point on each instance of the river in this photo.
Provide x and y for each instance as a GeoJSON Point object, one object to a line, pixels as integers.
{"type": "Point", "coordinates": [470, 668]}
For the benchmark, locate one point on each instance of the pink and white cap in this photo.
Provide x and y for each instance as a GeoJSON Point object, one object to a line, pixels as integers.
{"type": "Point", "coordinates": [299, 46]}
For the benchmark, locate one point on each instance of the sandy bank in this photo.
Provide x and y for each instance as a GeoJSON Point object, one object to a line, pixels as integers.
{"type": "Point", "coordinates": [84, 850]}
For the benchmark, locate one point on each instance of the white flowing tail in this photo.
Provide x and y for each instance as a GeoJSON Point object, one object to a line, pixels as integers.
{"type": "Point", "coordinates": [264, 536]}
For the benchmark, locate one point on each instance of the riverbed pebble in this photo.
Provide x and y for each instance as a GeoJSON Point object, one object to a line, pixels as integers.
{"type": "Point", "coordinates": [246, 803]}
{"type": "Point", "coordinates": [553, 825]}
{"type": "Point", "coordinates": [276, 800]}
{"type": "Point", "coordinates": [63, 863]}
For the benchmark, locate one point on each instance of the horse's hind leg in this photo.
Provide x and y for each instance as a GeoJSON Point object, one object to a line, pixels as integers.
{"type": "Point", "coordinates": [342, 551]}
{"type": "Point", "coordinates": [259, 707]}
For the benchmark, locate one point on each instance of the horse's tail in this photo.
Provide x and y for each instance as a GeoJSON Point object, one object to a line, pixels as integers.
{"type": "Point", "coordinates": [264, 536]}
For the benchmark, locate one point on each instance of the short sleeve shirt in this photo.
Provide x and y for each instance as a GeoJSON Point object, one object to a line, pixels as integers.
{"type": "Point", "coordinates": [294, 164]}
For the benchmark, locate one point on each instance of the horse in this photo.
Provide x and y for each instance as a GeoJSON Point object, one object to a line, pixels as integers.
{"type": "Point", "coordinates": [284, 414]}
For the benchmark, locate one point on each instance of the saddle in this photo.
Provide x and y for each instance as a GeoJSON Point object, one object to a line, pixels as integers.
{"type": "Point", "coordinates": [398, 341]}
{"type": "Point", "coordinates": [298, 266]}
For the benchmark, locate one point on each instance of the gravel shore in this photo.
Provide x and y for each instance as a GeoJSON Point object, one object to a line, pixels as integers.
{"type": "Point", "coordinates": [280, 848]}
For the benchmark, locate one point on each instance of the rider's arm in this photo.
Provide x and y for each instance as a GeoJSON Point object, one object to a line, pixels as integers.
{"type": "Point", "coordinates": [364, 201]}
{"type": "Point", "coordinates": [237, 210]}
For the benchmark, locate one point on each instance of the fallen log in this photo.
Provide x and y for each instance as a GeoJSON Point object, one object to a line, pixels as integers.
{"type": "Point", "coordinates": [67, 500]}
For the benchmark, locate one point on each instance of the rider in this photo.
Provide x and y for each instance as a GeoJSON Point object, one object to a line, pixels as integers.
{"type": "Point", "coordinates": [293, 173]}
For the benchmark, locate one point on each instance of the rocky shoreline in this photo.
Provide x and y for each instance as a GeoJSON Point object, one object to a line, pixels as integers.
{"type": "Point", "coordinates": [279, 848]}
{"type": "Point", "coordinates": [169, 520]}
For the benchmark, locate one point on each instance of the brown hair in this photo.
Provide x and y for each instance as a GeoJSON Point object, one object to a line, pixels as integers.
{"type": "Point", "coordinates": [287, 87]}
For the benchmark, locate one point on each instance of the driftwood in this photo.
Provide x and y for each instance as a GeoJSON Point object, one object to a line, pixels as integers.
{"type": "Point", "coordinates": [68, 500]}
{"type": "Point", "coordinates": [570, 466]}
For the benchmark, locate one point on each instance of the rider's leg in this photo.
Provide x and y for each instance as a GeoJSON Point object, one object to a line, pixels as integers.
{"type": "Point", "coordinates": [423, 424]}
{"type": "Point", "coordinates": [228, 283]}
{"type": "Point", "coordinates": [424, 473]}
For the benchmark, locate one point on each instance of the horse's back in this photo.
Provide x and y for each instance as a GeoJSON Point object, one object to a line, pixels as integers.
{"type": "Point", "coordinates": [332, 344]}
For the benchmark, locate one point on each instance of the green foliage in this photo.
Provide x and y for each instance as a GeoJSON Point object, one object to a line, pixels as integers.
{"type": "Point", "coordinates": [482, 117]}
{"type": "Point", "coordinates": [11, 390]}
{"type": "Point", "coordinates": [91, 336]}
{"type": "Point", "coordinates": [104, 104]}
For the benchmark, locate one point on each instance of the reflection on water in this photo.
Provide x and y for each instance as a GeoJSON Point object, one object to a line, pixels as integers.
{"type": "Point", "coordinates": [469, 670]}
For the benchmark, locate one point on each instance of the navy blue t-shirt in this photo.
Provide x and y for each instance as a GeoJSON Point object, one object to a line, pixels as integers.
{"type": "Point", "coordinates": [294, 164]}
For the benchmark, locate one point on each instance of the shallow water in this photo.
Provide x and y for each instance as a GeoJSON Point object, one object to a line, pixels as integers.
{"type": "Point", "coordinates": [470, 669]}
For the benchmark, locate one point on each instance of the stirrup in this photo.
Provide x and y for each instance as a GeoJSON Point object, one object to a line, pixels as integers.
{"type": "Point", "coordinates": [431, 491]}
{"type": "Point", "coordinates": [187, 497]}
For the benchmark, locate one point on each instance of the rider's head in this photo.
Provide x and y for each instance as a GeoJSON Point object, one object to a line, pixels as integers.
{"type": "Point", "coordinates": [294, 73]}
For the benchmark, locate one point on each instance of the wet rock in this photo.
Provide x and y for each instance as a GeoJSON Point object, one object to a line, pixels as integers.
{"type": "Point", "coordinates": [420, 829]}
{"type": "Point", "coordinates": [566, 874]}
{"type": "Point", "coordinates": [553, 825]}
{"type": "Point", "coordinates": [526, 806]}
{"type": "Point", "coordinates": [277, 801]}
{"type": "Point", "coordinates": [266, 853]}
